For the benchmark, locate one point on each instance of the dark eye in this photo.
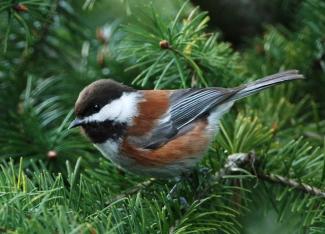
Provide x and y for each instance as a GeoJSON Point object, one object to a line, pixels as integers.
{"type": "Point", "coordinates": [96, 107]}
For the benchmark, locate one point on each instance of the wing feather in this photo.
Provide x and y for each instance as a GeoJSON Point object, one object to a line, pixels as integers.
{"type": "Point", "coordinates": [186, 106]}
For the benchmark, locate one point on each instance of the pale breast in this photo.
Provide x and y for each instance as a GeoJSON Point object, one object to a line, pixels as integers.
{"type": "Point", "coordinates": [110, 150]}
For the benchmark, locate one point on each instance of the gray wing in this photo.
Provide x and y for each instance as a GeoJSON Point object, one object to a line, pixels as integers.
{"type": "Point", "coordinates": [186, 106]}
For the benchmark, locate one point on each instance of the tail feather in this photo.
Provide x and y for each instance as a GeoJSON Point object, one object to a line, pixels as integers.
{"type": "Point", "coordinates": [266, 82]}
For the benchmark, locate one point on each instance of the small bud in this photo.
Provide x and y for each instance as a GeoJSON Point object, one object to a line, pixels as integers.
{"type": "Point", "coordinates": [164, 44]}
{"type": "Point", "coordinates": [104, 34]}
{"type": "Point", "coordinates": [52, 154]}
{"type": "Point", "coordinates": [92, 230]}
{"type": "Point", "coordinates": [259, 49]}
{"type": "Point", "coordinates": [274, 127]}
{"type": "Point", "coordinates": [19, 7]}
{"type": "Point", "coordinates": [100, 36]}
{"type": "Point", "coordinates": [101, 58]}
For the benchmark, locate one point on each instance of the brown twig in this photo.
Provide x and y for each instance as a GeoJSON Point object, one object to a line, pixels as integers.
{"type": "Point", "coordinates": [242, 160]}
{"type": "Point", "coordinates": [292, 184]}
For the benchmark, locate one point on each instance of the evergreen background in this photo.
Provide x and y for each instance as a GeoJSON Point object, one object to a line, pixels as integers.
{"type": "Point", "coordinates": [53, 180]}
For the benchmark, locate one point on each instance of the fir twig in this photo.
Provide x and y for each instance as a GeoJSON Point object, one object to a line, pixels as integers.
{"type": "Point", "coordinates": [240, 160]}
{"type": "Point", "coordinates": [273, 178]}
{"type": "Point", "coordinates": [43, 33]}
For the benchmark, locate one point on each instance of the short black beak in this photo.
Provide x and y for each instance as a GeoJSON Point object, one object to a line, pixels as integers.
{"type": "Point", "coordinates": [75, 123]}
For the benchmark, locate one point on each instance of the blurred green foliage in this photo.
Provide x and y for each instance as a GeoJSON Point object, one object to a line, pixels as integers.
{"type": "Point", "coordinates": [53, 180]}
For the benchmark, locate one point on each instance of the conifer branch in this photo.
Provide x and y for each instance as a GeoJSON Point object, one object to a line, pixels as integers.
{"type": "Point", "coordinates": [241, 160]}
{"type": "Point", "coordinates": [157, 50]}
{"type": "Point", "coordinates": [273, 178]}
{"type": "Point", "coordinates": [43, 32]}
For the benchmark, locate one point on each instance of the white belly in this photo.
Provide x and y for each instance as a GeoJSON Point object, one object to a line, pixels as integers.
{"type": "Point", "coordinates": [110, 150]}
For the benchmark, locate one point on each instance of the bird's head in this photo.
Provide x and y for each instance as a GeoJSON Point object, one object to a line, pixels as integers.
{"type": "Point", "coordinates": [104, 108]}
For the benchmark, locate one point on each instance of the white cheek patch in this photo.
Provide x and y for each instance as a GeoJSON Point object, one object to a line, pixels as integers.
{"type": "Point", "coordinates": [121, 110]}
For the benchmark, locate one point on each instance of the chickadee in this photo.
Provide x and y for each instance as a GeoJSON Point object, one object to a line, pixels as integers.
{"type": "Point", "coordinates": [158, 133]}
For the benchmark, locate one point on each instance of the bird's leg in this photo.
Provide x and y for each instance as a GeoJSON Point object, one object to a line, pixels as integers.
{"type": "Point", "coordinates": [192, 178]}
{"type": "Point", "coordinates": [171, 194]}
{"type": "Point", "coordinates": [204, 171]}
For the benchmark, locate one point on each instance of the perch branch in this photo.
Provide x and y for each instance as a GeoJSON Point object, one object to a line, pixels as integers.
{"type": "Point", "coordinates": [234, 163]}
{"type": "Point", "coordinates": [240, 160]}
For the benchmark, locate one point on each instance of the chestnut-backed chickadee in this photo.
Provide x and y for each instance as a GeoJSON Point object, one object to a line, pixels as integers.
{"type": "Point", "coordinates": [158, 133]}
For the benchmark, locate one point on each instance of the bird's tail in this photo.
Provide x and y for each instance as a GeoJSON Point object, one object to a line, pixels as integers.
{"type": "Point", "coordinates": [266, 82]}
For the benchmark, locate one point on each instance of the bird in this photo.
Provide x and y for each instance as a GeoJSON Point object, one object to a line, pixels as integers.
{"type": "Point", "coordinates": [159, 133]}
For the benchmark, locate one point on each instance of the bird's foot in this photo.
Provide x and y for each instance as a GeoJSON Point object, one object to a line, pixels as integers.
{"type": "Point", "coordinates": [171, 194]}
